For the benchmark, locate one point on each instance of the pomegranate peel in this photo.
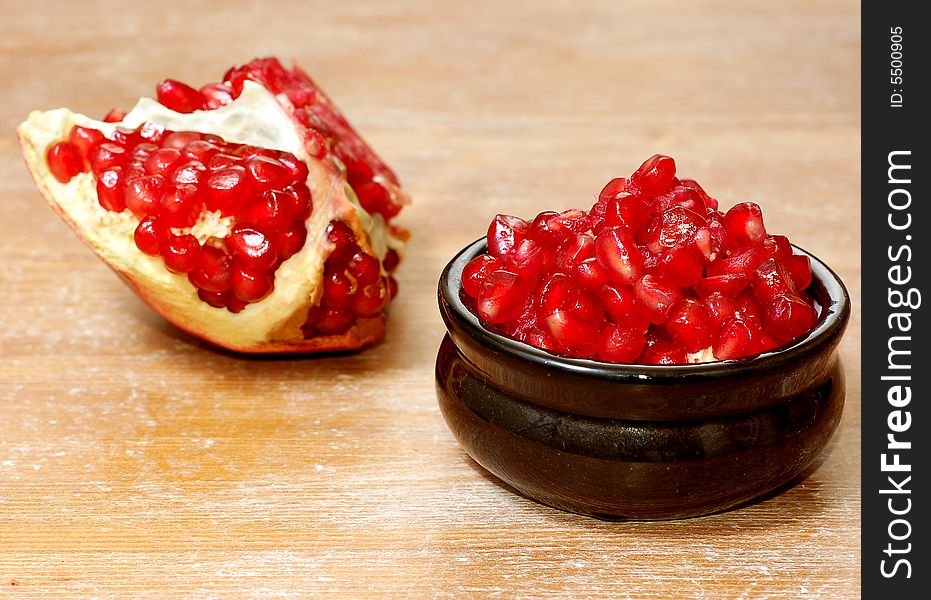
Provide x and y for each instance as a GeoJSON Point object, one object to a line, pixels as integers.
{"type": "Point", "coordinates": [277, 322]}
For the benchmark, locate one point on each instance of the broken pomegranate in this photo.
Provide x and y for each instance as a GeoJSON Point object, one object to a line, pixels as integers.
{"type": "Point", "coordinates": [653, 274]}
{"type": "Point", "coordinates": [247, 212]}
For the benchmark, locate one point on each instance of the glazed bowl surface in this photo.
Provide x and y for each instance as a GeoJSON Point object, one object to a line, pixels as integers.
{"type": "Point", "coordinates": [640, 441]}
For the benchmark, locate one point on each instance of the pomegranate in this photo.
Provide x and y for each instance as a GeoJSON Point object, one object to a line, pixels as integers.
{"type": "Point", "coordinates": [654, 273]}
{"type": "Point", "coordinates": [247, 212]}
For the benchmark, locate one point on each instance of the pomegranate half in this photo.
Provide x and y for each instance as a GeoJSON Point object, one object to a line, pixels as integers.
{"type": "Point", "coordinates": [248, 212]}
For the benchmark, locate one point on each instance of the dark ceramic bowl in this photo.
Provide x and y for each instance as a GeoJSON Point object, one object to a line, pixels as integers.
{"type": "Point", "coordinates": [633, 441]}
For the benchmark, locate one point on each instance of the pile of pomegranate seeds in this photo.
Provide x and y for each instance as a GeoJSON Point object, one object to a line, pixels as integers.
{"type": "Point", "coordinates": [653, 274]}
{"type": "Point", "coordinates": [168, 180]}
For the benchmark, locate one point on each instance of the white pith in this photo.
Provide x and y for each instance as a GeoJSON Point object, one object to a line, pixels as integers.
{"type": "Point", "coordinates": [254, 118]}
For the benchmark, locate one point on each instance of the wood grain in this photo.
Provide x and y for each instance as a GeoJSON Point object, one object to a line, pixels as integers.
{"type": "Point", "coordinates": [136, 462]}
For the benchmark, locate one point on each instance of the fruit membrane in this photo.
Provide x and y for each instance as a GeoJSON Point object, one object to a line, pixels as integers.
{"type": "Point", "coordinates": [247, 212]}
{"type": "Point", "coordinates": [654, 273]}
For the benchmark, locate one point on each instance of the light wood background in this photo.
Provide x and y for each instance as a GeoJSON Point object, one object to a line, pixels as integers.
{"type": "Point", "coordinates": [136, 462]}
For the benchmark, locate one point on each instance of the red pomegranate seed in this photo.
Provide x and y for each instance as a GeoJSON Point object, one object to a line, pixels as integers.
{"type": "Point", "coordinates": [338, 288]}
{"type": "Point", "coordinates": [267, 211]}
{"type": "Point", "coordinates": [621, 303]}
{"type": "Point", "coordinates": [300, 205]}
{"type": "Point", "coordinates": [214, 299]}
{"type": "Point", "coordinates": [251, 248]}
{"type": "Point", "coordinates": [747, 304]}
{"type": "Point", "coordinates": [654, 175]}
{"type": "Point", "coordinates": [660, 350]}
{"type": "Point", "coordinates": [799, 268]}
{"type": "Point", "coordinates": [681, 265]}
{"type": "Point", "coordinates": [628, 210]}
{"type": "Point", "coordinates": [572, 334]}
{"type": "Point", "coordinates": [143, 194]}
{"type": "Point", "coordinates": [213, 272]}
{"type": "Point", "coordinates": [85, 139]}
{"type": "Point", "coordinates": [612, 188]}
{"type": "Point", "coordinates": [298, 168]}
{"type": "Point", "coordinates": [251, 286]}
{"type": "Point", "coordinates": [110, 189]}
{"type": "Point", "coordinates": [590, 274]}
{"type": "Point", "coordinates": [227, 190]}
{"type": "Point", "coordinates": [177, 140]}
{"type": "Point", "coordinates": [745, 261]}
{"type": "Point", "coordinates": [150, 236]}
{"type": "Point", "coordinates": [180, 206]}
{"type": "Point", "coordinates": [556, 292]}
{"type": "Point", "coordinates": [720, 307]}
{"type": "Point", "coordinates": [332, 321]}
{"type": "Point", "coordinates": [740, 336]}
{"type": "Point", "coordinates": [373, 197]}
{"type": "Point", "coordinates": [178, 96]}
{"type": "Point", "coordinates": [215, 95]}
{"type": "Point", "coordinates": [675, 227]}
{"type": "Point", "coordinates": [107, 155]}
{"type": "Point", "coordinates": [114, 116]}
{"type": "Point", "coordinates": [343, 239]}
{"type": "Point", "coordinates": [291, 240]}
{"type": "Point", "coordinates": [267, 172]}
{"type": "Point", "coordinates": [550, 228]}
{"type": "Point", "coordinates": [392, 287]}
{"type": "Point", "coordinates": [364, 267]}
{"type": "Point", "coordinates": [370, 299]}
{"type": "Point", "coordinates": [192, 172]}
{"type": "Point", "coordinates": [64, 161]}
{"type": "Point", "coordinates": [142, 151]}
{"type": "Point", "coordinates": [162, 161]}
{"type": "Point", "coordinates": [476, 271]}
{"type": "Point", "coordinates": [504, 234]}
{"type": "Point", "coordinates": [777, 246]}
{"type": "Point", "coordinates": [619, 345]}
{"type": "Point", "coordinates": [502, 296]}
{"type": "Point", "coordinates": [690, 325]}
{"type": "Point", "coordinates": [222, 160]}
{"type": "Point", "coordinates": [574, 250]}
{"type": "Point", "coordinates": [392, 260]}
{"type": "Point", "coordinates": [181, 253]}
{"type": "Point", "coordinates": [708, 200]}
{"type": "Point", "coordinates": [530, 259]}
{"type": "Point", "coordinates": [618, 254]}
{"type": "Point", "coordinates": [200, 150]}
{"type": "Point", "coordinates": [657, 296]}
{"type": "Point", "coordinates": [787, 317]}
{"type": "Point", "coordinates": [744, 224]}
{"type": "Point", "coordinates": [729, 285]}
{"type": "Point", "coordinates": [769, 280]}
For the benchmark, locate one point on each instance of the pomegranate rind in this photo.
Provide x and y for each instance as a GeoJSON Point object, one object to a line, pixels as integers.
{"type": "Point", "coordinates": [272, 325]}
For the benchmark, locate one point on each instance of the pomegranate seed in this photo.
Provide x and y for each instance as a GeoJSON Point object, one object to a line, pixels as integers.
{"type": "Point", "coordinates": [192, 172]}
{"type": "Point", "coordinates": [142, 151]}
{"type": "Point", "coordinates": [612, 188]}
{"type": "Point", "coordinates": [251, 248]}
{"type": "Point", "coordinates": [729, 285]}
{"type": "Point", "coordinates": [771, 279]}
{"type": "Point", "coordinates": [620, 345]}
{"type": "Point", "coordinates": [110, 189]}
{"type": "Point", "coordinates": [708, 200]}
{"type": "Point", "coordinates": [300, 205]}
{"type": "Point", "coordinates": [369, 300]}
{"type": "Point", "coordinates": [143, 194]}
{"type": "Point", "coordinates": [114, 116]}
{"type": "Point", "coordinates": [214, 299]}
{"type": "Point", "coordinates": [657, 296]}
{"type": "Point", "coordinates": [251, 286]}
{"type": "Point", "coordinates": [555, 293]}
{"type": "Point", "coordinates": [744, 224]}
{"type": "Point", "coordinates": [799, 268]}
{"type": "Point", "coordinates": [530, 259]}
{"type": "Point", "coordinates": [149, 236]}
{"type": "Point", "coordinates": [64, 161]}
{"type": "Point", "coordinates": [372, 196]}
{"type": "Point", "coordinates": [504, 234]}
{"type": "Point", "coordinates": [777, 246]}
{"type": "Point", "coordinates": [655, 175]}
{"type": "Point", "coordinates": [628, 210]}
{"type": "Point", "coordinates": [551, 228]}
{"type": "Point", "coordinates": [740, 336]}
{"type": "Point", "coordinates": [331, 321]}
{"type": "Point", "coordinates": [298, 168]}
{"type": "Point", "coordinates": [746, 261]}
{"type": "Point", "coordinates": [621, 303]}
{"type": "Point", "coordinates": [180, 206]}
{"type": "Point", "coordinates": [181, 253]}
{"type": "Point", "coordinates": [267, 211]}
{"type": "Point", "coordinates": [720, 307]}
{"type": "Point", "coordinates": [476, 271]}
{"type": "Point", "coordinates": [291, 240]}
{"type": "Point", "coordinates": [502, 296]}
{"type": "Point", "coordinates": [107, 155]}
{"type": "Point", "coordinates": [618, 254]}
{"type": "Point", "coordinates": [178, 96]}
{"type": "Point", "coordinates": [690, 325]}
{"type": "Point", "coordinates": [267, 172]}
{"type": "Point", "coordinates": [364, 267]}
{"type": "Point", "coordinates": [590, 274]}
{"type": "Point", "coordinates": [574, 250]}
{"type": "Point", "coordinates": [200, 150]}
{"type": "Point", "coordinates": [681, 265]}
{"type": "Point", "coordinates": [342, 238]}
{"type": "Point", "coordinates": [177, 140]}
{"type": "Point", "coordinates": [660, 350]}
{"type": "Point", "coordinates": [338, 288]}
{"type": "Point", "coordinates": [571, 334]}
{"type": "Point", "coordinates": [392, 288]}
{"type": "Point", "coordinates": [85, 139]}
{"type": "Point", "coordinates": [213, 272]}
{"type": "Point", "coordinates": [221, 161]}
{"type": "Point", "coordinates": [786, 317]}
{"type": "Point", "coordinates": [227, 190]}
{"type": "Point", "coordinates": [392, 260]}
{"type": "Point", "coordinates": [675, 227]}
{"type": "Point", "coordinates": [162, 161]}
{"type": "Point", "coordinates": [215, 95]}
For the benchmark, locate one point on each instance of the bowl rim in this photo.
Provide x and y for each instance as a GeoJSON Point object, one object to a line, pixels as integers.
{"type": "Point", "coordinates": [831, 323]}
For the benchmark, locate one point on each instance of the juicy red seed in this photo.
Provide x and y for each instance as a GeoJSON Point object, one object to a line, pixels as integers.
{"type": "Point", "coordinates": [555, 293]}
{"type": "Point", "coordinates": [504, 234]}
{"type": "Point", "coordinates": [777, 246]}
{"type": "Point", "coordinates": [657, 296]}
{"type": "Point", "coordinates": [373, 197]}
{"type": "Point", "coordinates": [392, 288]}
{"type": "Point", "coordinates": [214, 299]}
{"type": "Point", "coordinates": [681, 265]}
{"type": "Point", "coordinates": [572, 334]}
{"type": "Point", "coordinates": [541, 232]}
{"type": "Point", "coordinates": [476, 271]}
{"type": "Point", "coordinates": [178, 96]}
{"type": "Point", "coordinates": [620, 345]}
{"type": "Point", "coordinates": [729, 285]}
{"type": "Point", "coordinates": [502, 296]}
{"type": "Point", "coordinates": [298, 168]}
{"type": "Point", "coordinates": [300, 205]}
{"type": "Point", "coordinates": [215, 95]}
{"type": "Point", "coordinates": [338, 288]}
{"type": "Point", "coordinates": [114, 116]}
{"type": "Point", "coordinates": [590, 274]}
{"type": "Point", "coordinates": [744, 224]}
{"type": "Point", "coordinates": [341, 236]}
{"type": "Point", "coordinates": [267, 211]}
{"type": "Point", "coordinates": [85, 140]}
{"type": "Point", "coordinates": [251, 286]}
{"type": "Point", "coordinates": [720, 307]}
{"type": "Point", "coordinates": [331, 321]}
{"type": "Point", "coordinates": [291, 240]}
{"type": "Point", "coordinates": [200, 150]}
{"type": "Point", "coordinates": [149, 236]}
{"type": "Point", "coordinates": [64, 161]}
{"type": "Point", "coordinates": [110, 189]}
{"type": "Point", "coordinates": [786, 317]}
{"type": "Point", "coordinates": [392, 260]}
{"type": "Point", "coordinates": [251, 248]}
{"type": "Point", "coordinates": [268, 173]}
{"type": "Point", "coordinates": [628, 210]}
{"type": "Point", "coordinates": [162, 161]}
{"type": "Point", "coordinates": [618, 254]}
{"type": "Point", "coordinates": [177, 140]}
{"type": "Point", "coordinates": [740, 336]}
{"type": "Point", "coordinates": [364, 267]}
{"type": "Point", "coordinates": [568, 223]}
{"type": "Point", "coordinates": [370, 299]}
{"type": "Point", "coordinates": [655, 174]}
{"type": "Point", "coordinates": [799, 268]}
{"type": "Point", "coordinates": [180, 206]}
{"type": "Point", "coordinates": [574, 250]}
{"type": "Point", "coordinates": [192, 172]}
{"type": "Point", "coordinates": [221, 161]}
{"type": "Point", "coordinates": [227, 190]}
{"type": "Point", "coordinates": [622, 306]}
{"type": "Point", "coordinates": [612, 188]}
{"type": "Point", "coordinates": [675, 227]}
{"type": "Point", "coordinates": [213, 270]}
{"type": "Point", "coordinates": [143, 194]}
{"type": "Point", "coordinates": [745, 262]}
{"type": "Point", "coordinates": [530, 259]}
{"type": "Point", "coordinates": [769, 280]}
{"type": "Point", "coordinates": [181, 253]}
{"type": "Point", "coordinates": [107, 155]}
{"type": "Point", "coordinates": [660, 350]}
{"type": "Point", "coordinates": [690, 325]}
{"type": "Point", "coordinates": [143, 151]}
{"type": "Point", "coordinates": [359, 172]}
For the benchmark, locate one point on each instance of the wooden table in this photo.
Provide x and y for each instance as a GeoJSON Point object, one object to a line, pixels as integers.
{"type": "Point", "coordinates": [136, 462]}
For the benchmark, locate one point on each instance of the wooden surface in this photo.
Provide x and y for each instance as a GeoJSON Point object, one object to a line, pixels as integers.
{"type": "Point", "coordinates": [136, 462]}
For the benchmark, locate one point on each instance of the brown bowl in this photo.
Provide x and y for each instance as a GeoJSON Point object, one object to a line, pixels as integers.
{"type": "Point", "coordinates": [636, 441]}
